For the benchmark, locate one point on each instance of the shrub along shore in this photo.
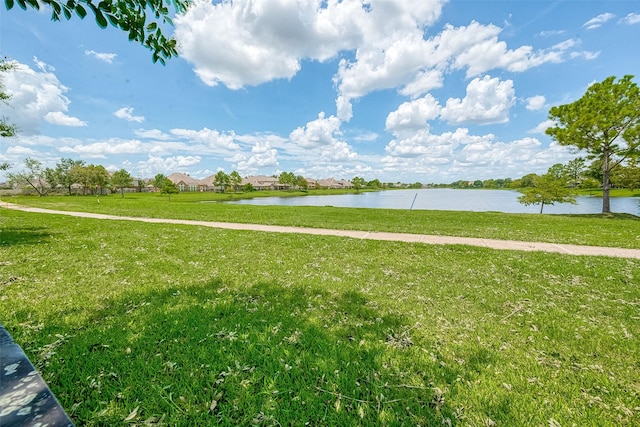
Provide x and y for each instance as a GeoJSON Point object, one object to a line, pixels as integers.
{"type": "Point", "coordinates": [134, 323]}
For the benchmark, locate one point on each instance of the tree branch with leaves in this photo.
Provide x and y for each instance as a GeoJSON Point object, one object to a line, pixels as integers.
{"type": "Point", "coordinates": [7, 129]}
{"type": "Point", "coordinates": [122, 179]}
{"type": "Point", "coordinates": [605, 123]}
{"type": "Point", "coordinates": [34, 176]}
{"type": "Point", "coordinates": [143, 20]}
{"type": "Point", "coordinates": [548, 189]}
{"type": "Point", "coordinates": [169, 187]}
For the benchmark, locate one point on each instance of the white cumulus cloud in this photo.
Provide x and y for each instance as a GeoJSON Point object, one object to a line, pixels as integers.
{"type": "Point", "coordinates": [598, 21]}
{"type": "Point", "coordinates": [104, 57]}
{"type": "Point", "coordinates": [151, 134]}
{"type": "Point", "coordinates": [423, 82]}
{"type": "Point", "coordinates": [542, 127]}
{"type": "Point", "coordinates": [322, 136]}
{"type": "Point", "coordinates": [452, 155]}
{"type": "Point", "coordinates": [211, 138]}
{"type": "Point", "coordinates": [416, 65]}
{"type": "Point", "coordinates": [317, 133]}
{"type": "Point", "coordinates": [339, 151]}
{"type": "Point", "coordinates": [165, 165]}
{"type": "Point", "coordinates": [267, 39]}
{"type": "Point", "coordinates": [536, 102]}
{"type": "Point", "coordinates": [262, 156]}
{"type": "Point", "coordinates": [126, 113]}
{"type": "Point", "coordinates": [488, 100]}
{"type": "Point", "coordinates": [631, 19]}
{"type": "Point", "coordinates": [495, 154]}
{"type": "Point", "coordinates": [435, 147]}
{"type": "Point", "coordinates": [36, 96]}
{"type": "Point", "coordinates": [103, 149]}
{"type": "Point", "coordinates": [17, 150]}
{"type": "Point", "coordinates": [61, 119]}
{"type": "Point", "coordinates": [413, 114]}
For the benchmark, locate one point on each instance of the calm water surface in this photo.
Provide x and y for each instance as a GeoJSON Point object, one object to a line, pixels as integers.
{"type": "Point", "coordinates": [449, 199]}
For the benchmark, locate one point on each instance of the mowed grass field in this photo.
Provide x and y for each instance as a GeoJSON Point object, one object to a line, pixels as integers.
{"type": "Point", "coordinates": [614, 230]}
{"type": "Point", "coordinates": [149, 324]}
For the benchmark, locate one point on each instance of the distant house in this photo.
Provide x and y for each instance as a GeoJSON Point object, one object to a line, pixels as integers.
{"type": "Point", "coordinates": [262, 182]}
{"type": "Point", "coordinates": [259, 182]}
{"type": "Point", "coordinates": [206, 184]}
{"type": "Point", "coordinates": [333, 184]}
{"type": "Point", "coordinates": [145, 185]}
{"type": "Point", "coordinates": [345, 184]}
{"type": "Point", "coordinates": [184, 182]}
{"type": "Point", "coordinates": [136, 185]}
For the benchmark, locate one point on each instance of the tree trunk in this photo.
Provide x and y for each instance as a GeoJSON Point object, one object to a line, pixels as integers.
{"type": "Point", "coordinates": [606, 184]}
{"type": "Point", "coordinates": [541, 207]}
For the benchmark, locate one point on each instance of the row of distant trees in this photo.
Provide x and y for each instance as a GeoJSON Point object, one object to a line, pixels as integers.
{"type": "Point", "coordinates": [95, 179]}
{"type": "Point", "coordinates": [92, 179]}
{"type": "Point", "coordinates": [375, 184]}
{"type": "Point", "coordinates": [358, 183]}
{"type": "Point", "coordinates": [555, 186]}
{"type": "Point", "coordinates": [560, 183]}
{"type": "Point", "coordinates": [66, 173]}
{"type": "Point", "coordinates": [577, 172]}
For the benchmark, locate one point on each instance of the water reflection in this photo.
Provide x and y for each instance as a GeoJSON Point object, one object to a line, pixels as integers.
{"type": "Point", "coordinates": [449, 199]}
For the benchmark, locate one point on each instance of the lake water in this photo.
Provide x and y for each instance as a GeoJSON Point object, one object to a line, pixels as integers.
{"type": "Point", "coordinates": [450, 199]}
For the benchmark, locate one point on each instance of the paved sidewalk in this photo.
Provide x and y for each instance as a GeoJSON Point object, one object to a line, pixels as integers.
{"type": "Point", "coordinates": [401, 237]}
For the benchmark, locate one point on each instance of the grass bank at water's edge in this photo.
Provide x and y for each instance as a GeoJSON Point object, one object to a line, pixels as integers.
{"type": "Point", "coordinates": [182, 325]}
{"type": "Point", "coordinates": [615, 230]}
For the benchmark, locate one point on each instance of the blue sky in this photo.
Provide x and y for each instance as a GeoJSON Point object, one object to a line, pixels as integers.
{"type": "Point", "coordinates": [399, 90]}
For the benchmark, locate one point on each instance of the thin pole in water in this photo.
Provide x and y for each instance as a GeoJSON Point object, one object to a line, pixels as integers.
{"type": "Point", "coordinates": [414, 200]}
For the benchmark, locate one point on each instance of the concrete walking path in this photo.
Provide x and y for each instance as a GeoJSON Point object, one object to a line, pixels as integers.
{"type": "Point", "coordinates": [354, 234]}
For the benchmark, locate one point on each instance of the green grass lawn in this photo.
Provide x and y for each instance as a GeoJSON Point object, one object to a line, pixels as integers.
{"type": "Point", "coordinates": [134, 324]}
{"type": "Point", "coordinates": [615, 230]}
{"type": "Point", "coordinates": [614, 192]}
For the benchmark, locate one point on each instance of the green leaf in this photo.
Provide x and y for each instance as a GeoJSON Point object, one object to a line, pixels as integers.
{"type": "Point", "coordinates": [80, 11]}
{"type": "Point", "coordinates": [134, 17]}
{"type": "Point", "coordinates": [100, 19]}
{"type": "Point", "coordinates": [181, 6]}
{"type": "Point", "coordinates": [56, 9]}
{"type": "Point", "coordinates": [114, 21]}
